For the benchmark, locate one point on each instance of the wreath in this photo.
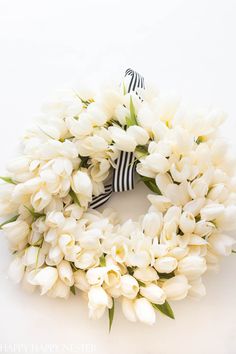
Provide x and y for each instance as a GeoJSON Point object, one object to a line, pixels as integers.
{"type": "Point", "coordinates": [87, 146]}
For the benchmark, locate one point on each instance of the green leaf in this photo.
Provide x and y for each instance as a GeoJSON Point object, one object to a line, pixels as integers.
{"type": "Point", "coordinates": [7, 180]}
{"type": "Point", "coordinates": [166, 275]}
{"type": "Point", "coordinates": [141, 151]}
{"type": "Point", "coordinates": [233, 251]}
{"type": "Point", "coordinates": [111, 314]}
{"type": "Point", "coordinates": [102, 260]}
{"type": "Point", "coordinates": [72, 289]}
{"type": "Point", "coordinates": [131, 120]}
{"type": "Point", "coordinates": [140, 283]}
{"type": "Point", "coordinates": [34, 213]}
{"type": "Point", "coordinates": [151, 184]}
{"type": "Point", "coordinates": [165, 309]}
{"type": "Point", "coordinates": [124, 89]}
{"type": "Point", "coordinates": [14, 218]}
{"type": "Point", "coordinates": [74, 197]}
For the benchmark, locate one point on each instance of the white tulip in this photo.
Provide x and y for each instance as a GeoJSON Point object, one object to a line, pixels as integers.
{"type": "Point", "coordinates": [55, 255]}
{"type": "Point", "coordinates": [197, 289]}
{"type": "Point", "coordinates": [82, 186]}
{"type": "Point", "coordinates": [33, 256]}
{"type": "Point", "coordinates": [160, 202]}
{"type": "Point", "coordinates": [8, 203]}
{"type": "Point", "coordinates": [40, 200]}
{"type": "Point", "coordinates": [129, 286]}
{"type": "Point", "coordinates": [100, 169]}
{"type": "Point", "coordinates": [144, 311]}
{"type": "Point", "coordinates": [92, 146]}
{"type": "Point", "coordinates": [212, 211]}
{"type": "Point", "coordinates": [128, 309]}
{"type": "Point", "coordinates": [112, 276]}
{"type": "Point", "coordinates": [176, 288]}
{"type": "Point", "coordinates": [219, 193]}
{"type": "Point", "coordinates": [99, 300]}
{"type": "Point", "coordinates": [162, 180]}
{"type": "Point", "coordinates": [152, 224]}
{"type": "Point", "coordinates": [16, 270]}
{"type": "Point", "coordinates": [17, 233]}
{"type": "Point", "coordinates": [221, 244]}
{"type": "Point", "coordinates": [96, 276]}
{"type": "Point", "coordinates": [146, 274]}
{"type": "Point", "coordinates": [45, 278]}
{"type": "Point", "coordinates": [121, 112]}
{"type": "Point", "coordinates": [59, 289]}
{"type": "Point", "coordinates": [55, 219]}
{"type": "Point", "coordinates": [123, 141]}
{"type": "Point", "coordinates": [74, 211]}
{"type": "Point", "coordinates": [173, 214]}
{"type": "Point", "coordinates": [65, 273]}
{"type": "Point", "coordinates": [187, 222]}
{"type": "Point", "coordinates": [86, 259]}
{"type": "Point", "coordinates": [156, 163]}
{"type": "Point", "coordinates": [139, 134]}
{"type": "Point", "coordinates": [81, 281]}
{"type": "Point", "coordinates": [165, 264]}
{"type": "Point", "coordinates": [181, 170]}
{"type": "Point", "coordinates": [146, 117]}
{"type": "Point", "coordinates": [204, 228]}
{"type": "Point", "coordinates": [192, 266]}
{"type": "Point", "coordinates": [97, 115]}
{"type": "Point", "coordinates": [179, 252]}
{"type": "Point", "coordinates": [194, 206]}
{"type": "Point", "coordinates": [227, 220]}
{"type": "Point", "coordinates": [153, 293]}
{"type": "Point", "coordinates": [81, 127]}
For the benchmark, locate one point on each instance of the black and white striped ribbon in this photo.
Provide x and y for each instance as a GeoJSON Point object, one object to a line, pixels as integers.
{"type": "Point", "coordinates": [123, 173]}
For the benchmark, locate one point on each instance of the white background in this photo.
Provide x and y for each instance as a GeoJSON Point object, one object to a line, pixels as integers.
{"type": "Point", "coordinates": [185, 45]}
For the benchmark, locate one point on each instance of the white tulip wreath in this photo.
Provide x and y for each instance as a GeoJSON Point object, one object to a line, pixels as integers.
{"type": "Point", "coordinates": [62, 245]}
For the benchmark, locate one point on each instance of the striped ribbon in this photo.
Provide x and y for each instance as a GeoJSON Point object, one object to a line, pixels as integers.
{"type": "Point", "coordinates": [123, 173]}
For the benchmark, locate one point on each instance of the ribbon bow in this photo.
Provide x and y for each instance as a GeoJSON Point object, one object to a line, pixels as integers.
{"type": "Point", "coordinates": [123, 173]}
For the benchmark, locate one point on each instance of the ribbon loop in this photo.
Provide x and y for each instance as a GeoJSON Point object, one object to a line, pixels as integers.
{"type": "Point", "coordinates": [123, 173]}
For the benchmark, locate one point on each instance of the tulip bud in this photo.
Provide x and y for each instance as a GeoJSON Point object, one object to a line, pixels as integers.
{"type": "Point", "coordinates": [40, 200]}
{"type": "Point", "coordinates": [112, 276]}
{"type": "Point", "coordinates": [33, 256]}
{"type": "Point", "coordinates": [45, 278]}
{"type": "Point", "coordinates": [95, 276]}
{"type": "Point", "coordinates": [194, 206]}
{"type": "Point", "coordinates": [17, 232]}
{"type": "Point", "coordinates": [55, 219]}
{"type": "Point", "coordinates": [65, 273]}
{"type": "Point", "coordinates": [165, 264]}
{"type": "Point", "coordinates": [59, 289]}
{"type": "Point", "coordinates": [122, 140]}
{"type": "Point", "coordinates": [197, 289]}
{"type": "Point", "coordinates": [139, 134]}
{"type": "Point", "coordinates": [144, 311]}
{"type": "Point", "coordinates": [146, 274]}
{"type": "Point", "coordinates": [81, 281]}
{"type": "Point", "coordinates": [192, 266]}
{"type": "Point", "coordinates": [153, 293]}
{"type": "Point", "coordinates": [128, 309]}
{"type": "Point", "coordinates": [187, 223]}
{"type": "Point", "coordinates": [99, 300]}
{"type": "Point", "coordinates": [204, 228]}
{"type": "Point", "coordinates": [82, 184]}
{"type": "Point", "coordinates": [212, 211]}
{"type": "Point", "coordinates": [16, 270]}
{"type": "Point", "coordinates": [221, 244]}
{"type": "Point", "coordinates": [176, 288]}
{"type": "Point", "coordinates": [129, 286]}
{"type": "Point", "coordinates": [152, 223]}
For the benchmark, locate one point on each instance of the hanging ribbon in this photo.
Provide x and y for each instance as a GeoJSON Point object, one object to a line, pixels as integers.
{"type": "Point", "coordinates": [123, 173]}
